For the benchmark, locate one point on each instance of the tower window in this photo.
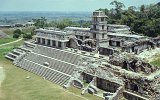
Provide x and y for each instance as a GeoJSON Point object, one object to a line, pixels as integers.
{"type": "Point", "coordinates": [94, 27]}
{"type": "Point", "coordinates": [102, 19]}
{"type": "Point", "coordinates": [102, 27]}
{"type": "Point", "coordinates": [103, 35]}
{"type": "Point", "coordinates": [94, 35]}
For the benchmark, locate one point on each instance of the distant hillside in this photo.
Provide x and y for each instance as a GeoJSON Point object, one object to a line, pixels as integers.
{"type": "Point", "coordinates": [22, 17]}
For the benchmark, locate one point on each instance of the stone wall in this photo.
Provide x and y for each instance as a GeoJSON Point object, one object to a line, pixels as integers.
{"type": "Point", "coordinates": [118, 94]}
{"type": "Point", "coordinates": [106, 85]}
{"type": "Point", "coordinates": [156, 41]}
{"type": "Point", "coordinates": [131, 63]}
{"type": "Point", "coordinates": [106, 51]}
{"type": "Point", "coordinates": [143, 87]}
{"type": "Point", "coordinates": [138, 46]}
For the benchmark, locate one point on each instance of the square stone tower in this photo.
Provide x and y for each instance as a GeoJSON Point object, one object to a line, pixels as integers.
{"type": "Point", "coordinates": [99, 28]}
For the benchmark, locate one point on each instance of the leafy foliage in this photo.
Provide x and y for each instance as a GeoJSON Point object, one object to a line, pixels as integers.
{"type": "Point", "coordinates": [61, 24]}
{"type": "Point", "coordinates": [40, 23]}
{"type": "Point", "coordinates": [145, 20]}
{"type": "Point", "coordinates": [17, 33]}
{"type": "Point", "coordinates": [27, 36]}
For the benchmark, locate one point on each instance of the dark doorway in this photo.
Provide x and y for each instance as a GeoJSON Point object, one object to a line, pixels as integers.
{"type": "Point", "coordinates": [54, 43]}
{"type": "Point", "coordinates": [132, 49]}
{"type": "Point", "coordinates": [48, 42]}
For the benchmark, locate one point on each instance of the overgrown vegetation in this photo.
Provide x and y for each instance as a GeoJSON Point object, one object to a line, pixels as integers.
{"type": "Point", "coordinates": [25, 33]}
{"type": "Point", "coordinates": [156, 62]}
{"type": "Point", "coordinates": [27, 36]}
{"type": "Point", "coordinates": [144, 20]}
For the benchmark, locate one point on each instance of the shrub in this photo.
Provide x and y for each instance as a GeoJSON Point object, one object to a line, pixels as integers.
{"type": "Point", "coordinates": [27, 36]}
{"type": "Point", "coordinates": [16, 35]}
{"type": "Point", "coordinates": [18, 31]}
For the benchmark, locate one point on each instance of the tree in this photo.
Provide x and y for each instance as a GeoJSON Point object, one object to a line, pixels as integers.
{"type": "Point", "coordinates": [106, 11]}
{"type": "Point", "coordinates": [61, 24]}
{"type": "Point", "coordinates": [17, 33]}
{"type": "Point", "coordinates": [86, 24]}
{"type": "Point", "coordinates": [118, 8]}
{"type": "Point", "coordinates": [132, 9]}
{"type": "Point", "coordinates": [27, 36]}
{"type": "Point", "coordinates": [142, 8]}
{"type": "Point", "coordinates": [40, 23]}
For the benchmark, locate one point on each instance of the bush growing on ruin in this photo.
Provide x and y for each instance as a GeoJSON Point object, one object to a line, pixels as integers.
{"type": "Point", "coordinates": [27, 36]}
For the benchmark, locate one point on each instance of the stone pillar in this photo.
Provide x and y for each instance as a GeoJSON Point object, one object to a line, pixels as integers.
{"type": "Point", "coordinates": [56, 43]}
{"type": "Point", "coordinates": [41, 41]}
{"type": "Point", "coordinates": [78, 37]}
{"type": "Point", "coordinates": [63, 45]}
{"type": "Point", "coordinates": [36, 40]}
{"type": "Point", "coordinates": [51, 43]}
{"type": "Point", "coordinates": [46, 41]}
{"type": "Point", "coordinates": [83, 37]}
{"type": "Point", "coordinates": [114, 43]}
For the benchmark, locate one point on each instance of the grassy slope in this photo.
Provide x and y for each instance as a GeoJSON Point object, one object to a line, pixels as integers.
{"type": "Point", "coordinates": [17, 87]}
{"type": "Point", "coordinates": [11, 30]}
{"type": "Point", "coordinates": [6, 40]}
{"type": "Point", "coordinates": [156, 62]}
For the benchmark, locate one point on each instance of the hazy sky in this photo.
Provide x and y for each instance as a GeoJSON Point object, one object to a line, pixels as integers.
{"type": "Point", "coordinates": [64, 5]}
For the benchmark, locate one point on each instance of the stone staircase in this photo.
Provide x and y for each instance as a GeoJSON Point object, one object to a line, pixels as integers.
{"type": "Point", "coordinates": [52, 64]}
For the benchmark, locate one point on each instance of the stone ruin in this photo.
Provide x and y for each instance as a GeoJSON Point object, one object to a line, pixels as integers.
{"type": "Point", "coordinates": [93, 60]}
{"type": "Point", "coordinates": [131, 63]}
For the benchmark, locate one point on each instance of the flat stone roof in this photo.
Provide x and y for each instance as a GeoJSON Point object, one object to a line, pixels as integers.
{"type": "Point", "coordinates": [77, 29]}
{"type": "Point", "coordinates": [126, 35]}
{"type": "Point", "coordinates": [49, 31]}
{"type": "Point", "coordinates": [115, 25]}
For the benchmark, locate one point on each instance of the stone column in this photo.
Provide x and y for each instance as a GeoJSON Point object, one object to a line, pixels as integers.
{"type": "Point", "coordinates": [46, 41]}
{"type": "Point", "coordinates": [78, 37]}
{"type": "Point", "coordinates": [83, 37]}
{"type": "Point", "coordinates": [130, 50]}
{"type": "Point", "coordinates": [114, 43]}
{"type": "Point", "coordinates": [41, 42]}
{"type": "Point", "coordinates": [56, 43]}
{"type": "Point", "coordinates": [36, 40]}
{"type": "Point", "coordinates": [63, 45]}
{"type": "Point", "coordinates": [51, 43]}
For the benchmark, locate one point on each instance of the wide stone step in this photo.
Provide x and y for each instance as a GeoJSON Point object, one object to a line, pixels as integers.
{"type": "Point", "coordinates": [47, 73]}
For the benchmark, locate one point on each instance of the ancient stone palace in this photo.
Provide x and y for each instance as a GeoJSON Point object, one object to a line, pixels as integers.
{"type": "Point", "coordinates": [101, 60]}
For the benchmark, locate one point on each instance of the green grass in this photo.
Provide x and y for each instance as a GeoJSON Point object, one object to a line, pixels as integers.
{"type": "Point", "coordinates": [6, 40]}
{"type": "Point", "coordinates": [156, 62]}
{"type": "Point", "coordinates": [5, 49]}
{"type": "Point", "coordinates": [16, 87]}
{"type": "Point", "coordinates": [8, 31]}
